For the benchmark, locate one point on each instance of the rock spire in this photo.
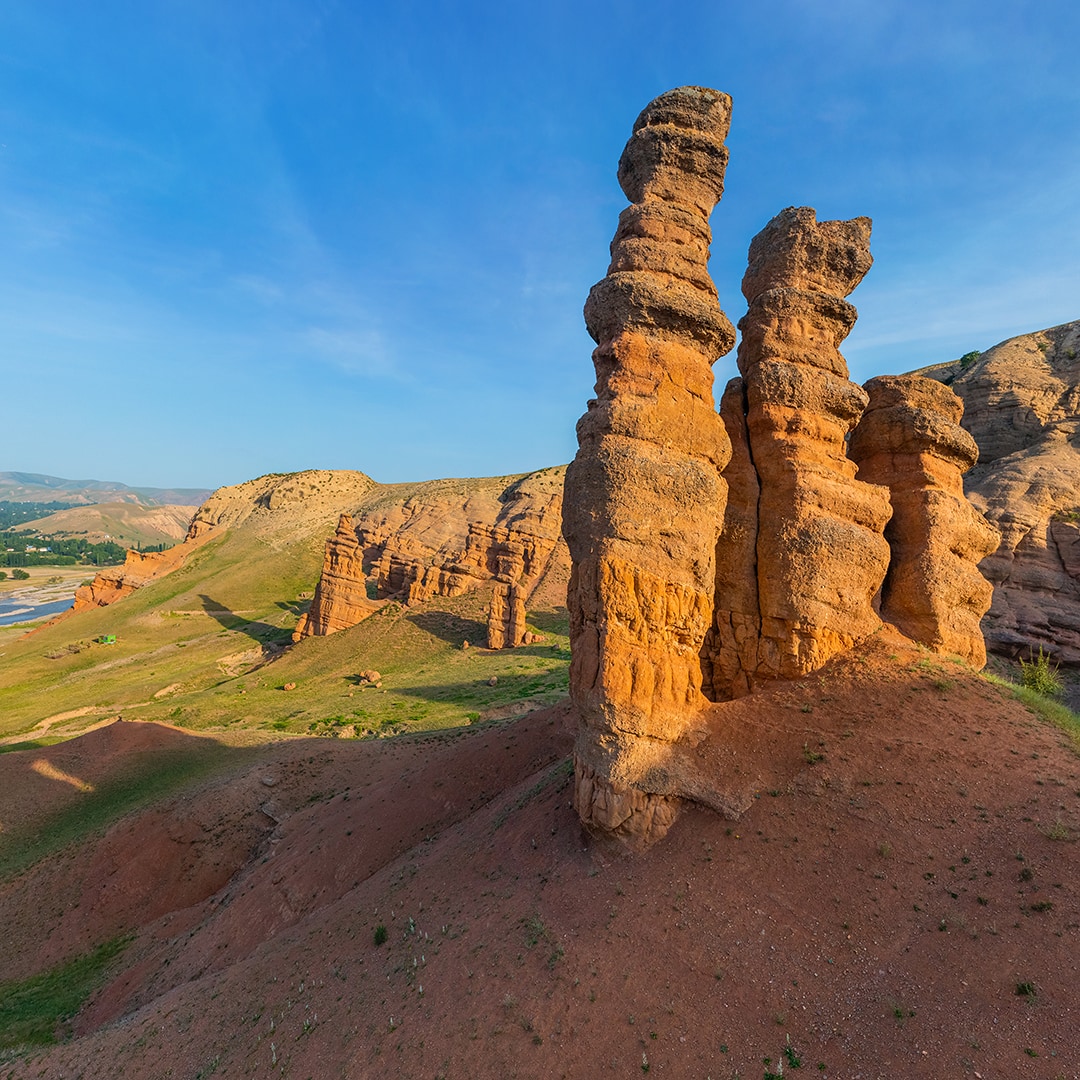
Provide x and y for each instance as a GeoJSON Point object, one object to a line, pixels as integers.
{"type": "Point", "coordinates": [651, 447]}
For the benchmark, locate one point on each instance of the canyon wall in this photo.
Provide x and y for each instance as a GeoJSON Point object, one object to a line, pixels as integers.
{"type": "Point", "coordinates": [413, 542]}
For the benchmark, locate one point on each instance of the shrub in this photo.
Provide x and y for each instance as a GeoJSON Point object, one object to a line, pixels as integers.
{"type": "Point", "coordinates": [19, 574]}
{"type": "Point", "coordinates": [380, 934]}
{"type": "Point", "coordinates": [1040, 675]}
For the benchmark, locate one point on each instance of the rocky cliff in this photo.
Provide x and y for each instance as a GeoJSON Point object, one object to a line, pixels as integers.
{"type": "Point", "coordinates": [910, 441]}
{"type": "Point", "coordinates": [1022, 406]}
{"type": "Point", "coordinates": [411, 542]}
{"type": "Point", "coordinates": [814, 551]}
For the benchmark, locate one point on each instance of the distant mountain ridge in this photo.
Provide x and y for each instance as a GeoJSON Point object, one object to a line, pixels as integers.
{"type": "Point", "coordinates": [40, 487]}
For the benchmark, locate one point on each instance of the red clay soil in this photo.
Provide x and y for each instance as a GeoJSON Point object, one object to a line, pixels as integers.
{"type": "Point", "coordinates": [906, 864]}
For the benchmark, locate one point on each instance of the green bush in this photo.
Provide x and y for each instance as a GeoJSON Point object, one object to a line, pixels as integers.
{"type": "Point", "coordinates": [1040, 675]}
{"type": "Point", "coordinates": [19, 574]}
{"type": "Point", "coordinates": [380, 934]}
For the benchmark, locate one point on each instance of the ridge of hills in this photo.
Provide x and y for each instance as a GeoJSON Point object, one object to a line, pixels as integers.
{"type": "Point", "coordinates": [40, 487]}
{"type": "Point", "coordinates": [131, 524]}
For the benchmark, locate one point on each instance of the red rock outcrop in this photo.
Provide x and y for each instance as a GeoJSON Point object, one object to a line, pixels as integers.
{"type": "Point", "coordinates": [910, 441]}
{"type": "Point", "coordinates": [115, 582]}
{"type": "Point", "coordinates": [651, 447]}
{"type": "Point", "coordinates": [341, 598]}
{"type": "Point", "coordinates": [1021, 403]}
{"type": "Point", "coordinates": [819, 555]}
{"type": "Point", "coordinates": [506, 616]}
{"type": "Point", "coordinates": [446, 538]}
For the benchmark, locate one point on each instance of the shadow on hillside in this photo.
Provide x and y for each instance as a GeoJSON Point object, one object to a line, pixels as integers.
{"type": "Point", "coordinates": [294, 607]}
{"type": "Point", "coordinates": [545, 686]}
{"type": "Point", "coordinates": [452, 628]}
{"type": "Point", "coordinates": [72, 789]}
{"type": "Point", "coordinates": [556, 621]}
{"type": "Point", "coordinates": [262, 632]}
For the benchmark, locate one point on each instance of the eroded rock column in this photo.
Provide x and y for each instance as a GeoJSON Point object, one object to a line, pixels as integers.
{"type": "Point", "coordinates": [910, 440]}
{"type": "Point", "coordinates": [644, 497]}
{"type": "Point", "coordinates": [820, 552]}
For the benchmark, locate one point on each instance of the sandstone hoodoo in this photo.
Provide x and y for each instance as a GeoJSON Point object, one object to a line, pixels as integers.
{"type": "Point", "coordinates": [341, 598]}
{"type": "Point", "coordinates": [650, 446]}
{"type": "Point", "coordinates": [714, 551]}
{"type": "Point", "coordinates": [910, 441]}
{"type": "Point", "coordinates": [818, 553]}
{"type": "Point", "coordinates": [1021, 403]}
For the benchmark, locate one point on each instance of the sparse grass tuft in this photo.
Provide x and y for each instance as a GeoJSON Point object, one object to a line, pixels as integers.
{"type": "Point", "coordinates": [1052, 712]}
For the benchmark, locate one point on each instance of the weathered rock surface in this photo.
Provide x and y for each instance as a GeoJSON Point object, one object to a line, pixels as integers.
{"type": "Point", "coordinates": [820, 554]}
{"type": "Point", "coordinates": [411, 542]}
{"type": "Point", "coordinates": [341, 598]}
{"type": "Point", "coordinates": [910, 441]}
{"type": "Point", "coordinates": [115, 582]}
{"type": "Point", "coordinates": [1022, 405]}
{"type": "Point", "coordinates": [651, 446]}
{"type": "Point", "coordinates": [506, 616]}
{"type": "Point", "coordinates": [730, 658]}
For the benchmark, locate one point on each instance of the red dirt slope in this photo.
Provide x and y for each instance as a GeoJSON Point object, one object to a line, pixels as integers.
{"type": "Point", "coordinates": [907, 862]}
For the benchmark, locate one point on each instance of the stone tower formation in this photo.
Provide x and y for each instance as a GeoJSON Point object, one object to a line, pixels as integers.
{"type": "Point", "coordinates": [714, 550]}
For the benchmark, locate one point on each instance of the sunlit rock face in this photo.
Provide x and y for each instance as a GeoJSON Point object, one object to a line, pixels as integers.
{"type": "Point", "coordinates": [651, 448]}
{"type": "Point", "coordinates": [910, 440]}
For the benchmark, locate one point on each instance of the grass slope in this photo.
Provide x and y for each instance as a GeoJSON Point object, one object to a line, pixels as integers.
{"type": "Point", "coordinates": [192, 648]}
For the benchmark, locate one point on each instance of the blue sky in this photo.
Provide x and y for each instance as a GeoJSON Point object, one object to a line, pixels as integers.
{"type": "Point", "coordinates": [247, 237]}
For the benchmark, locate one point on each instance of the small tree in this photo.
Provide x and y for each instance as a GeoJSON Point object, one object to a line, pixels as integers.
{"type": "Point", "coordinates": [19, 574]}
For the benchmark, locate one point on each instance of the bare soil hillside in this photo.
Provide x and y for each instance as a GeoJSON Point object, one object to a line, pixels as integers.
{"type": "Point", "coordinates": [122, 522]}
{"type": "Point", "coordinates": [900, 900]}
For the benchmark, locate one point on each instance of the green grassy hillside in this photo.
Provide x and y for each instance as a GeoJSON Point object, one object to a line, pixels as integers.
{"type": "Point", "coordinates": [208, 648]}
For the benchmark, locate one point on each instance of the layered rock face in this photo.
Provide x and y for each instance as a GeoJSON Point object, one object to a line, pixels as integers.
{"type": "Point", "coordinates": [910, 441]}
{"type": "Point", "coordinates": [1022, 405]}
{"type": "Point", "coordinates": [115, 582]}
{"type": "Point", "coordinates": [506, 617]}
{"type": "Point", "coordinates": [341, 598]}
{"type": "Point", "coordinates": [445, 538]}
{"type": "Point", "coordinates": [813, 553]}
{"type": "Point", "coordinates": [651, 447]}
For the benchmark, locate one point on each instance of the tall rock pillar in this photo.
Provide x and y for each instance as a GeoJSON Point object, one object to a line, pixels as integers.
{"type": "Point", "coordinates": [910, 440]}
{"type": "Point", "coordinates": [820, 555]}
{"type": "Point", "coordinates": [644, 498]}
